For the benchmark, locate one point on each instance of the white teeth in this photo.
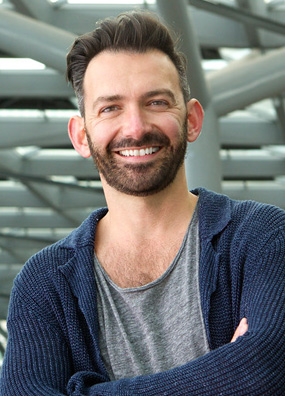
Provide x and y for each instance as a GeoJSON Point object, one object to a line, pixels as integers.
{"type": "Point", "coordinates": [139, 153]}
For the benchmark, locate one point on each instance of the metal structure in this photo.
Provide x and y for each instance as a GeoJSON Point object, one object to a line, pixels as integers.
{"type": "Point", "coordinates": [46, 189]}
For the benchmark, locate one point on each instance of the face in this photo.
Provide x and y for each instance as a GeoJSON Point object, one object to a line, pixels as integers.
{"type": "Point", "coordinates": [135, 120]}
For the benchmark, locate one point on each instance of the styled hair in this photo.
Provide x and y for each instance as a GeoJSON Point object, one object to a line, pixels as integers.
{"type": "Point", "coordinates": [137, 31]}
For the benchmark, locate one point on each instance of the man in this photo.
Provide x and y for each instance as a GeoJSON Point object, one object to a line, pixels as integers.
{"type": "Point", "coordinates": [145, 296]}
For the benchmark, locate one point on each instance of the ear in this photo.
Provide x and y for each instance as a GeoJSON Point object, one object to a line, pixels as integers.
{"type": "Point", "coordinates": [195, 115]}
{"type": "Point", "coordinates": [77, 135]}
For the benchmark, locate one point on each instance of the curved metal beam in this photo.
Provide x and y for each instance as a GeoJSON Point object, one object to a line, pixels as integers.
{"type": "Point", "coordinates": [24, 36]}
{"type": "Point", "coordinates": [175, 13]}
{"type": "Point", "coordinates": [203, 165]}
{"type": "Point", "coordinates": [249, 81]}
{"type": "Point", "coordinates": [239, 15]}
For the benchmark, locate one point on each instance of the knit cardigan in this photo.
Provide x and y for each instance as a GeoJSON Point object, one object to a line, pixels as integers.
{"type": "Point", "coordinates": [53, 326]}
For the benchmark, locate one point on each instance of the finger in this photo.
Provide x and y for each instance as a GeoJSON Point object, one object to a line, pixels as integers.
{"type": "Point", "coordinates": [241, 329]}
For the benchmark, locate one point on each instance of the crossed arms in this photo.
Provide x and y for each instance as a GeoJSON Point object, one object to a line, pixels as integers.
{"type": "Point", "coordinates": [39, 360]}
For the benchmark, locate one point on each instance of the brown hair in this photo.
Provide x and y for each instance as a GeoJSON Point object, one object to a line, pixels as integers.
{"type": "Point", "coordinates": [136, 31]}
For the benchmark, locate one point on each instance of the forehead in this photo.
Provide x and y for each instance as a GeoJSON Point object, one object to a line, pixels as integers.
{"type": "Point", "coordinates": [122, 70]}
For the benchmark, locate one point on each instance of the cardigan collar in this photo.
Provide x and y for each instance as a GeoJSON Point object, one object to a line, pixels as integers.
{"type": "Point", "coordinates": [214, 215]}
{"type": "Point", "coordinates": [215, 212]}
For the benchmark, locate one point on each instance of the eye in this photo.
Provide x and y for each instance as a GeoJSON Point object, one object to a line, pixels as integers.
{"type": "Point", "coordinates": [109, 109]}
{"type": "Point", "coordinates": [158, 103]}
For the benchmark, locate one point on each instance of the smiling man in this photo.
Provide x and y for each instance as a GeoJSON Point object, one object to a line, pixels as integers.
{"type": "Point", "coordinates": [136, 128]}
{"type": "Point", "coordinates": [165, 291]}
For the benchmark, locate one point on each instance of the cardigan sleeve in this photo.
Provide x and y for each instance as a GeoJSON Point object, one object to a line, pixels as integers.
{"type": "Point", "coordinates": [254, 365]}
{"type": "Point", "coordinates": [37, 361]}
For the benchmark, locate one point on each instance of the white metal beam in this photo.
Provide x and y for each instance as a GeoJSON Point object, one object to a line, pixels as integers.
{"type": "Point", "coordinates": [20, 7]}
{"type": "Point", "coordinates": [40, 218]}
{"type": "Point", "coordinates": [240, 15]}
{"type": "Point", "coordinates": [47, 163]}
{"type": "Point", "coordinates": [38, 9]}
{"type": "Point", "coordinates": [245, 131]}
{"type": "Point", "coordinates": [254, 164]}
{"type": "Point", "coordinates": [24, 36]}
{"type": "Point", "coordinates": [251, 31]}
{"type": "Point", "coordinates": [32, 131]}
{"type": "Point", "coordinates": [23, 245]}
{"type": "Point", "coordinates": [6, 258]}
{"type": "Point", "coordinates": [10, 160]}
{"type": "Point", "coordinates": [82, 18]}
{"type": "Point", "coordinates": [204, 156]}
{"type": "Point", "coordinates": [250, 81]}
{"type": "Point", "coordinates": [272, 193]}
{"type": "Point", "coordinates": [67, 197]}
{"type": "Point", "coordinates": [45, 83]}
{"type": "Point", "coordinates": [45, 193]}
{"type": "Point", "coordinates": [7, 275]}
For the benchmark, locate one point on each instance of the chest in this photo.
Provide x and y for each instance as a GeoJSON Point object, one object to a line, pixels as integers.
{"type": "Point", "coordinates": [133, 266]}
{"type": "Point", "coordinates": [154, 327]}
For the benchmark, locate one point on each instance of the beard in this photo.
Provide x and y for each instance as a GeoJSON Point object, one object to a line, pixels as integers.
{"type": "Point", "coordinates": [142, 179]}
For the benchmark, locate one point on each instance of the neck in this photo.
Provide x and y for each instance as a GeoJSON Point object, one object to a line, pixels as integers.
{"type": "Point", "coordinates": [148, 217]}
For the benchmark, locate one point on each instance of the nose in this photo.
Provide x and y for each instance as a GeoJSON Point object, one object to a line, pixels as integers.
{"type": "Point", "coordinates": [135, 123]}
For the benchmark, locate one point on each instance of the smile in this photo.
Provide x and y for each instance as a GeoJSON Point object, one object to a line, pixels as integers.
{"type": "Point", "coordinates": [139, 153]}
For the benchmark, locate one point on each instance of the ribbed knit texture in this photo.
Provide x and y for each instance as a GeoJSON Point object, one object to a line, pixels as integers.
{"type": "Point", "coordinates": [52, 322]}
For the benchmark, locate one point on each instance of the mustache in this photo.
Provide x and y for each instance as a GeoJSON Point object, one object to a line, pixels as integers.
{"type": "Point", "coordinates": [149, 138]}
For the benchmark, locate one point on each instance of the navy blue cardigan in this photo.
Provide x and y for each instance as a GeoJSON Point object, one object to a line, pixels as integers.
{"type": "Point", "coordinates": [53, 347]}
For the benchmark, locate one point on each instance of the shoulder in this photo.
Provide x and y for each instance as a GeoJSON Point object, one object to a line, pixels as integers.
{"type": "Point", "coordinates": [218, 212]}
{"type": "Point", "coordinates": [54, 273]}
{"type": "Point", "coordinates": [257, 217]}
{"type": "Point", "coordinates": [45, 264]}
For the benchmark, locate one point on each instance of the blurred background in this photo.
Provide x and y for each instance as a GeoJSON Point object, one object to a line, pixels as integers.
{"type": "Point", "coordinates": [236, 57]}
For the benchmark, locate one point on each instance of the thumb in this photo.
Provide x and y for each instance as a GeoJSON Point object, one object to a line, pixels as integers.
{"type": "Point", "coordinates": [241, 329]}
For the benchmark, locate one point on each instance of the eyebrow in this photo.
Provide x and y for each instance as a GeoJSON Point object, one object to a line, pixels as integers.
{"type": "Point", "coordinates": [107, 99]}
{"type": "Point", "coordinates": [158, 92]}
{"type": "Point", "coordinates": [147, 95]}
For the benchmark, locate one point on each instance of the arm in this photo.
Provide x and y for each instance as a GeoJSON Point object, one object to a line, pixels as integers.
{"type": "Point", "coordinates": [38, 359]}
{"type": "Point", "coordinates": [252, 365]}
{"type": "Point", "coordinates": [17, 376]}
{"type": "Point", "coordinates": [240, 330]}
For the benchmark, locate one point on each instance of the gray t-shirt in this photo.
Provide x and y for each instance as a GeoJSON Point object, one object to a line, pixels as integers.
{"type": "Point", "coordinates": [155, 327]}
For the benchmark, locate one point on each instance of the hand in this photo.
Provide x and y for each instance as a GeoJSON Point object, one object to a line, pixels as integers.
{"type": "Point", "coordinates": [241, 329]}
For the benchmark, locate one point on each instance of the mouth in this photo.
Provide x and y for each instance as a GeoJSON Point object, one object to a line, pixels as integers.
{"type": "Point", "coordinates": [141, 152]}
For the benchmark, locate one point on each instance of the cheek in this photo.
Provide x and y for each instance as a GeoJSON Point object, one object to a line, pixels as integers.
{"type": "Point", "coordinates": [173, 128]}
{"type": "Point", "coordinates": [101, 134]}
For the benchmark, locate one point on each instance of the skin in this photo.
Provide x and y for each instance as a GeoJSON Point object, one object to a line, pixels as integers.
{"type": "Point", "coordinates": [241, 329]}
{"type": "Point", "coordinates": [132, 81]}
{"type": "Point", "coordinates": [140, 96]}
